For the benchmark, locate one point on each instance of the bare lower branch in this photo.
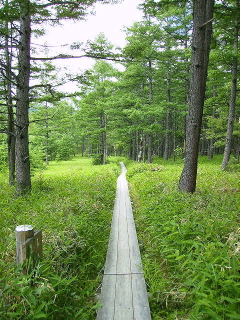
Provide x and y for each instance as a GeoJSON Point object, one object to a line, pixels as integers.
{"type": "Point", "coordinates": [65, 56]}
{"type": "Point", "coordinates": [206, 23]}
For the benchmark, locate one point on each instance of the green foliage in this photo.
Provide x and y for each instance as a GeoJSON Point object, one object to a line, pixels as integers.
{"type": "Point", "coordinates": [3, 155]}
{"type": "Point", "coordinates": [64, 148]}
{"type": "Point", "coordinates": [37, 158]}
{"type": "Point", "coordinates": [98, 159]}
{"type": "Point", "coordinates": [144, 167]}
{"type": "Point", "coordinates": [54, 131]}
{"type": "Point", "coordinates": [189, 243]}
{"type": "Point", "coordinates": [72, 203]}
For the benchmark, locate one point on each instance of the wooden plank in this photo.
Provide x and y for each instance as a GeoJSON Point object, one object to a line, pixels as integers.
{"type": "Point", "coordinates": [123, 300]}
{"type": "Point", "coordinates": [107, 298]}
{"type": "Point", "coordinates": [123, 262]}
{"type": "Point", "coordinates": [140, 298]}
{"type": "Point", "coordinates": [111, 259]}
{"type": "Point", "coordinates": [124, 294]}
{"type": "Point", "coordinates": [112, 255]}
{"type": "Point", "coordinates": [136, 262]}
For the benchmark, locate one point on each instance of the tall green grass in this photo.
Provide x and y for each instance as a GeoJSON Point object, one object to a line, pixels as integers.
{"type": "Point", "coordinates": [72, 203]}
{"type": "Point", "coordinates": [190, 243]}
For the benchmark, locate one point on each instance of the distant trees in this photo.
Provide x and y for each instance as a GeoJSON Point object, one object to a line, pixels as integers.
{"type": "Point", "coordinates": [53, 132]}
{"type": "Point", "coordinates": [140, 111]}
{"type": "Point", "coordinates": [232, 101]}
{"type": "Point", "coordinates": [94, 108]}
{"type": "Point", "coordinates": [22, 15]}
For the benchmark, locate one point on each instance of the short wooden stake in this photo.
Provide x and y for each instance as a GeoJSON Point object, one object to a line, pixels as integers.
{"type": "Point", "coordinates": [28, 243]}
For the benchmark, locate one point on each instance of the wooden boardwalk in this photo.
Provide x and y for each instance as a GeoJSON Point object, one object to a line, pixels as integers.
{"type": "Point", "coordinates": [124, 294]}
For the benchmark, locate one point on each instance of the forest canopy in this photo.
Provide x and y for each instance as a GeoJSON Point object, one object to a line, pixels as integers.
{"type": "Point", "coordinates": [140, 110]}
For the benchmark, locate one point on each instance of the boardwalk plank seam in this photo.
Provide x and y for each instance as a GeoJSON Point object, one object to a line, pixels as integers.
{"type": "Point", "coordinates": [123, 294]}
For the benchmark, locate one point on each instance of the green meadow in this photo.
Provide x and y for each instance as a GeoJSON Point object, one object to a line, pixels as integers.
{"type": "Point", "coordinates": [190, 243]}
{"type": "Point", "coordinates": [72, 203]}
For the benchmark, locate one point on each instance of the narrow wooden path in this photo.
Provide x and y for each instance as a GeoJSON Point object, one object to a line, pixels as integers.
{"type": "Point", "coordinates": [124, 294]}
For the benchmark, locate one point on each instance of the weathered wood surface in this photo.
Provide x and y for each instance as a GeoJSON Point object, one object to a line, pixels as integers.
{"type": "Point", "coordinates": [28, 243]}
{"type": "Point", "coordinates": [124, 294]}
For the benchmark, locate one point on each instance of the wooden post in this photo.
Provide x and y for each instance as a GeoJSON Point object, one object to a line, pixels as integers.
{"type": "Point", "coordinates": [28, 243]}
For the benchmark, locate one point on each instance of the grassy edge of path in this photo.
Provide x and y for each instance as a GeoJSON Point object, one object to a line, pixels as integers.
{"type": "Point", "coordinates": [190, 244]}
{"type": "Point", "coordinates": [72, 202]}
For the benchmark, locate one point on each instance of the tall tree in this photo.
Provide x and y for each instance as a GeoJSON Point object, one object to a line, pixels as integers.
{"type": "Point", "coordinates": [95, 104]}
{"type": "Point", "coordinates": [202, 31]}
{"type": "Point", "coordinates": [23, 180]}
{"type": "Point", "coordinates": [26, 11]}
{"type": "Point", "coordinates": [232, 103]}
{"type": "Point", "coordinates": [9, 101]}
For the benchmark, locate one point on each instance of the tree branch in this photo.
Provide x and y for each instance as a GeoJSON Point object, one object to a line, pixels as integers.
{"type": "Point", "coordinates": [206, 23]}
{"type": "Point", "coordinates": [65, 56]}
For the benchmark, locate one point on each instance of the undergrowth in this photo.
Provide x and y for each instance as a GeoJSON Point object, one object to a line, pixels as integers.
{"type": "Point", "coordinates": [190, 243]}
{"type": "Point", "coordinates": [71, 202]}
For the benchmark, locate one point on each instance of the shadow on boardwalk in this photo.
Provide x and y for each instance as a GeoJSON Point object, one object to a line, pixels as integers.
{"type": "Point", "coordinates": [123, 295]}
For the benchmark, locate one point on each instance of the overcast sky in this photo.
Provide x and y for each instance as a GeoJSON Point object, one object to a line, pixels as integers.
{"type": "Point", "coordinates": [109, 19]}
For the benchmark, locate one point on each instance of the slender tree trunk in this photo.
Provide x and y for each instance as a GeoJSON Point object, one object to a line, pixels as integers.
{"type": "Point", "coordinates": [168, 136]}
{"type": "Point", "coordinates": [104, 138]}
{"type": "Point", "coordinates": [174, 133]}
{"type": "Point", "coordinates": [23, 179]}
{"type": "Point", "coordinates": [237, 148]}
{"type": "Point", "coordinates": [187, 88]}
{"type": "Point", "coordinates": [11, 128]}
{"type": "Point", "coordinates": [232, 104]}
{"type": "Point", "coordinates": [167, 151]}
{"type": "Point", "coordinates": [140, 149]}
{"type": "Point", "coordinates": [134, 146]}
{"type": "Point", "coordinates": [150, 147]}
{"type": "Point", "coordinates": [202, 30]}
{"type": "Point", "coordinates": [47, 135]}
{"type": "Point", "coordinates": [204, 143]}
{"type": "Point", "coordinates": [150, 135]}
{"type": "Point", "coordinates": [211, 144]}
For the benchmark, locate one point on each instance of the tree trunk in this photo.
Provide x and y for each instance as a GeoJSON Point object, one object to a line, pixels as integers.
{"type": "Point", "coordinates": [211, 149]}
{"type": "Point", "coordinates": [134, 145]}
{"type": "Point", "coordinates": [187, 88]}
{"type": "Point", "coordinates": [103, 138]}
{"type": "Point", "coordinates": [23, 180]}
{"type": "Point", "coordinates": [11, 129]}
{"type": "Point", "coordinates": [150, 135]}
{"type": "Point", "coordinates": [232, 104]}
{"type": "Point", "coordinates": [212, 140]}
{"type": "Point", "coordinates": [174, 132]}
{"type": "Point", "coordinates": [140, 149]}
{"type": "Point", "coordinates": [204, 143]}
{"type": "Point", "coordinates": [47, 135]}
{"type": "Point", "coordinates": [150, 147]}
{"type": "Point", "coordinates": [168, 136]}
{"type": "Point", "coordinates": [202, 30]}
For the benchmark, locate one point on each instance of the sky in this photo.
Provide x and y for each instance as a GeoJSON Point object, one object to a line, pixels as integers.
{"type": "Point", "coordinates": [111, 19]}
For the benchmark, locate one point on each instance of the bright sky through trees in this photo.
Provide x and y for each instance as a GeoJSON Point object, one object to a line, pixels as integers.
{"type": "Point", "coordinates": [107, 18]}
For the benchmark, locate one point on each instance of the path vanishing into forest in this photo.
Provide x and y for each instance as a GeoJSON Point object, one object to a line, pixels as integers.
{"type": "Point", "coordinates": [123, 294]}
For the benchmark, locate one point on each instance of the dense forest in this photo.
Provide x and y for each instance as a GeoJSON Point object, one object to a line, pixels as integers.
{"type": "Point", "coordinates": [167, 104]}
{"type": "Point", "coordinates": [140, 112]}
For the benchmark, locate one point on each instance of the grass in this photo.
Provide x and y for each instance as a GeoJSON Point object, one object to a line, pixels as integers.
{"type": "Point", "coordinates": [71, 202]}
{"type": "Point", "coordinates": [190, 244]}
